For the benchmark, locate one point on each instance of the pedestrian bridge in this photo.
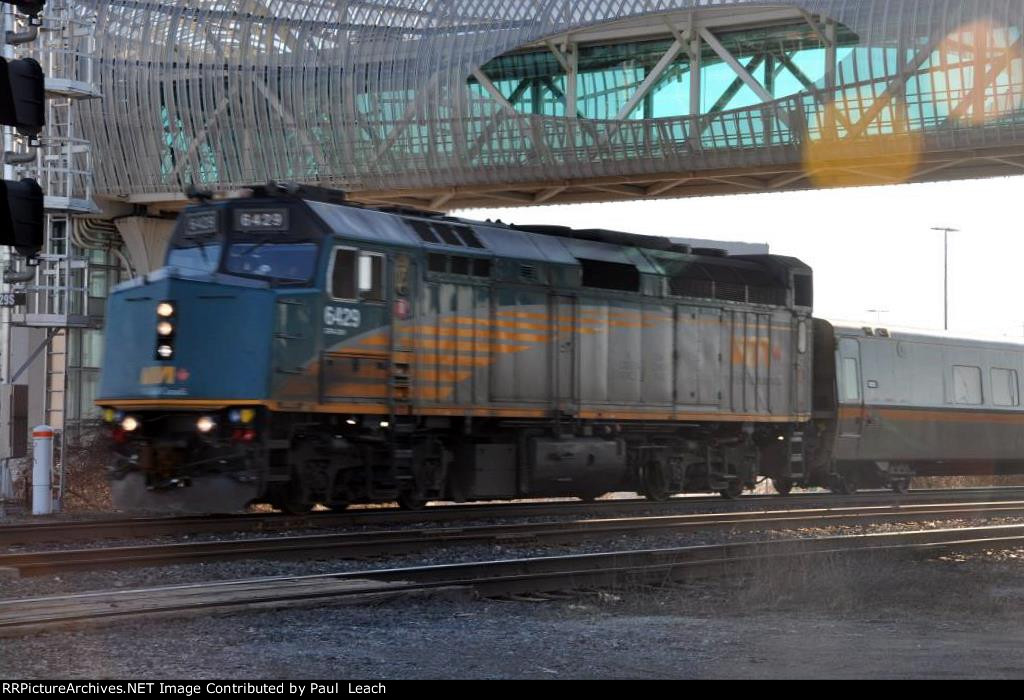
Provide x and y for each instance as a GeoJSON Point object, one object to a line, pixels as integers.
{"type": "Point", "coordinates": [515, 102]}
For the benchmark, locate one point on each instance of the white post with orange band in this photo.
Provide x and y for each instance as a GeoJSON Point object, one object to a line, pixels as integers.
{"type": "Point", "coordinates": [42, 469]}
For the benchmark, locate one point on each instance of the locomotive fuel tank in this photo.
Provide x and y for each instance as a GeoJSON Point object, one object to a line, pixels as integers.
{"type": "Point", "coordinates": [547, 466]}
{"type": "Point", "coordinates": [575, 465]}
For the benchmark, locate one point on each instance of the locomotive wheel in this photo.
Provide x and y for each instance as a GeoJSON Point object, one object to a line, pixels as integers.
{"type": "Point", "coordinates": [338, 506]}
{"type": "Point", "coordinates": [842, 485]}
{"type": "Point", "coordinates": [733, 491]}
{"type": "Point", "coordinates": [590, 497]}
{"type": "Point", "coordinates": [901, 486]}
{"type": "Point", "coordinates": [295, 499]}
{"type": "Point", "coordinates": [782, 485]}
{"type": "Point", "coordinates": [653, 483]}
{"type": "Point", "coordinates": [412, 500]}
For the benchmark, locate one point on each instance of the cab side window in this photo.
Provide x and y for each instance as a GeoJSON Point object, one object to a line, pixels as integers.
{"type": "Point", "coordinates": [343, 274]}
{"type": "Point", "coordinates": [357, 275]}
{"type": "Point", "coordinates": [371, 276]}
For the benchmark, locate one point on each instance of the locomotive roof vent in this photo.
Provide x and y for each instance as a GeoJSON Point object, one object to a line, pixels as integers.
{"type": "Point", "coordinates": [300, 191]}
{"type": "Point", "coordinates": [711, 252]}
{"type": "Point", "coordinates": [729, 280]}
{"type": "Point", "coordinates": [602, 274]}
{"type": "Point", "coordinates": [599, 235]}
{"type": "Point", "coordinates": [444, 233]}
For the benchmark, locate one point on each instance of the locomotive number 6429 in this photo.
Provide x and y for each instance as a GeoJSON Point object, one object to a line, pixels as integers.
{"type": "Point", "coordinates": [342, 316]}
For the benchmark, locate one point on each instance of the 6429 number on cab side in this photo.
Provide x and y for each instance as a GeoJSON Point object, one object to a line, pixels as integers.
{"type": "Point", "coordinates": [341, 317]}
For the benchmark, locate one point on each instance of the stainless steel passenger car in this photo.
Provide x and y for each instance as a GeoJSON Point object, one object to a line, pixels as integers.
{"type": "Point", "coordinates": [890, 405]}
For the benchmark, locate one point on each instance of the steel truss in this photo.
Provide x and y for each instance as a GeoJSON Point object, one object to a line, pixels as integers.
{"type": "Point", "coordinates": [419, 103]}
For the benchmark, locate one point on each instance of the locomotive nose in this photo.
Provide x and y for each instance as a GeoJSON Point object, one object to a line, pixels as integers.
{"type": "Point", "coordinates": [206, 340]}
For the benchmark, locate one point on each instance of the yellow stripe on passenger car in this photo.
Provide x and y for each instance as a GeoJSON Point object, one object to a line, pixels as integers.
{"type": "Point", "coordinates": [914, 415]}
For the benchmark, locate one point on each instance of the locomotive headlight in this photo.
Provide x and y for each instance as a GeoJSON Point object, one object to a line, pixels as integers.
{"type": "Point", "coordinates": [205, 424]}
{"type": "Point", "coordinates": [130, 424]}
{"type": "Point", "coordinates": [165, 352]}
{"type": "Point", "coordinates": [165, 309]}
{"type": "Point", "coordinates": [165, 328]}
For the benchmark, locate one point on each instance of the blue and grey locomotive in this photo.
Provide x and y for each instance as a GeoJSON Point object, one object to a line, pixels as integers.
{"type": "Point", "coordinates": [299, 350]}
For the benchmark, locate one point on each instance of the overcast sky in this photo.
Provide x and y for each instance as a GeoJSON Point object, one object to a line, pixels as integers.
{"type": "Point", "coordinates": [871, 248]}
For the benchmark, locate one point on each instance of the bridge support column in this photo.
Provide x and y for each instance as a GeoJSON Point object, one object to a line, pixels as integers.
{"type": "Point", "coordinates": [146, 239]}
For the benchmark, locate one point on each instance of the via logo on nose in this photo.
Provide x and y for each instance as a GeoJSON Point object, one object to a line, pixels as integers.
{"type": "Point", "coordinates": [151, 376]}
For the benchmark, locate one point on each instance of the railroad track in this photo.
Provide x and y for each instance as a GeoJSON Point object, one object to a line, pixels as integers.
{"type": "Point", "coordinates": [128, 528]}
{"type": "Point", "coordinates": [367, 544]}
{"type": "Point", "coordinates": [538, 574]}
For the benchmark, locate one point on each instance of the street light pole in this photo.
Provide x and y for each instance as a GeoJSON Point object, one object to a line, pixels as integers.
{"type": "Point", "coordinates": [945, 271]}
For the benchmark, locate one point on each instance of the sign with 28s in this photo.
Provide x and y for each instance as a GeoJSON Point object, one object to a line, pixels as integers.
{"type": "Point", "coordinates": [11, 299]}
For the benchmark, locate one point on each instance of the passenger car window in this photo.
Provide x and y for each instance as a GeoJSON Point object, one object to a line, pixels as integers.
{"type": "Point", "coordinates": [1005, 387]}
{"type": "Point", "coordinates": [967, 385]}
{"type": "Point", "coordinates": [343, 274]}
{"type": "Point", "coordinates": [851, 380]}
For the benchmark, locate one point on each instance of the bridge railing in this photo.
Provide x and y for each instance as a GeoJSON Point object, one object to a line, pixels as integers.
{"type": "Point", "coordinates": [496, 145]}
{"type": "Point", "coordinates": [856, 122]}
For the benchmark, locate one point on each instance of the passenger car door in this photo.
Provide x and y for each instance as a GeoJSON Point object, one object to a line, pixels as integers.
{"type": "Point", "coordinates": [850, 386]}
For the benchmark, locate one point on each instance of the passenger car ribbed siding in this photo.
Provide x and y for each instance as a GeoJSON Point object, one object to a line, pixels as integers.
{"type": "Point", "coordinates": [911, 410]}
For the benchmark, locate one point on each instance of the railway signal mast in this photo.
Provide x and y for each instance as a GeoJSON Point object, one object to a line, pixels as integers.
{"type": "Point", "coordinates": [23, 109]}
{"type": "Point", "coordinates": [47, 316]}
{"type": "Point", "coordinates": [22, 212]}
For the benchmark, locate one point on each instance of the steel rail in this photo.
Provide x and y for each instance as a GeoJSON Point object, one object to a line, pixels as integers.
{"type": "Point", "coordinates": [360, 545]}
{"type": "Point", "coordinates": [137, 527]}
{"type": "Point", "coordinates": [489, 578]}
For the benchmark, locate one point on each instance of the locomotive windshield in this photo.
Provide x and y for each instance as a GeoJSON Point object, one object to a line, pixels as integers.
{"type": "Point", "coordinates": [197, 243]}
{"type": "Point", "coordinates": [285, 260]}
{"type": "Point", "coordinates": [197, 252]}
{"type": "Point", "coordinates": [259, 243]}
